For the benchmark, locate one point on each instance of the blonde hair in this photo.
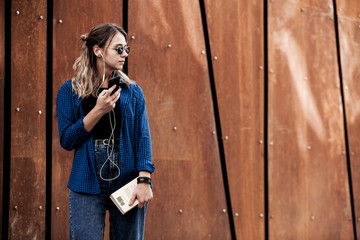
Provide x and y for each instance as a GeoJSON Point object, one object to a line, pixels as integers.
{"type": "Point", "coordinates": [87, 80]}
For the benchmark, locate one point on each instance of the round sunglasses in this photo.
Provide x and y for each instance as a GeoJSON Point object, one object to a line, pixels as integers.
{"type": "Point", "coordinates": [120, 49]}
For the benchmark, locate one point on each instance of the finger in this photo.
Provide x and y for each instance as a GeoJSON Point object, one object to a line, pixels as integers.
{"type": "Point", "coordinates": [132, 200]}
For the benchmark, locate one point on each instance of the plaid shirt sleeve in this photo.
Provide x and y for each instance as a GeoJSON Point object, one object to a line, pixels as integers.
{"type": "Point", "coordinates": [70, 122]}
{"type": "Point", "coordinates": [142, 136]}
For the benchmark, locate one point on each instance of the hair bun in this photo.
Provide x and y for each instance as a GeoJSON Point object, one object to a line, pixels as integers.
{"type": "Point", "coordinates": [84, 37]}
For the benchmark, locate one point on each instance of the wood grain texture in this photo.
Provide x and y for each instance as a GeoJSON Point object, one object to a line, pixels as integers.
{"type": "Point", "coordinates": [308, 180]}
{"type": "Point", "coordinates": [77, 18]}
{"type": "Point", "coordinates": [349, 35]}
{"type": "Point", "coordinates": [28, 145]}
{"type": "Point", "coordinates": [166, 61]}
{"type": "Point", "coordinates": [237, 48]}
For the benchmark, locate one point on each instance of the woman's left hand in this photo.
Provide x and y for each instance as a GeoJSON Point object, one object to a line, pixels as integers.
{"type": "Point", "coordinates": [143, 194]}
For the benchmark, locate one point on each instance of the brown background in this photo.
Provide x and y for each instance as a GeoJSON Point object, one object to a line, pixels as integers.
{"type": "Point", "coordinates": [253, 106]}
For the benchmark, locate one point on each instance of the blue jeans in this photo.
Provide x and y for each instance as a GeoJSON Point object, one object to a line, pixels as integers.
{"type": "Point", "coordinates": [87, 211]}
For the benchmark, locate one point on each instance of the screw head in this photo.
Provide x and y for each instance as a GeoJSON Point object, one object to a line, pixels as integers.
{"type": "Point", "coordinates": [312, 217]}
{"type": "Point", "coordinates": [133, 37]}
{"type": "Point", "coordinates": [213, 133]}
{"type": "Point", "coordinates": [17, 12]}
{"type": "Point", "coordinates": [215, 58]}
{"type": "Point", "coordinates": [40, 208]}
{"type": "Point", "coordinates": [236, 214]}
{"type": "Point", "coordinates": [57, 208]}
{"type": "Point", "coordinates": [309, 147]}
{"type": "Point", "coordinates": [169, 45]}
{"type": "Point", "coordinates": [261, 215]}
{"type": "Point", "coordinates": [40, 112]}
{"type": "Point", "coordinates": [180, 210]}
{"type": "Point", "coordinates": [226, 138]}
{"type": "Point", "coordinates": [16, 207]}
{"type": "Point", "coordinates": [41, 17]}
{"type": "Point", "coordinates": [17, 109]}
{"type": "Point", "coordinates": [60, 21]}
{"type": "Point", "coordinates": [224, 210]}
{"type": "Point", "coordinates": [203, 52]}
{"type": "Point", "coordinates": [174, 128]}
{"type": "Point", "coordinates": [261, 67]}
{"type": "Point", "coordinates": [261, 142]}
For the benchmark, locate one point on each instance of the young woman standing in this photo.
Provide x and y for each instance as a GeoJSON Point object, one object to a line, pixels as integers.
{"type": "Point", "coordinates": [109, 132]}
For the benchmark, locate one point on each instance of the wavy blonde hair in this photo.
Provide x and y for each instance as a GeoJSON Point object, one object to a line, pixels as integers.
{"type": "Point", "coordinates": [87, 80]}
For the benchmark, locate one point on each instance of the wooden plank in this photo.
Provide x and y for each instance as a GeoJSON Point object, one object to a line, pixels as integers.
{"type": "Point", "coordinates": [236, 40]}
{"type": "Point", "coordinates": [167, 62]}
{"type": "Point", "coordinates": [66, 48]}
{"type": "Point", "coordinates": [349, 35]}
{"type": "Point", "coordinates": [308, 179]}
{"type": "Point", "coordinates": [2, 80]}
{"type": "Point", "coordinates": [28, 89]}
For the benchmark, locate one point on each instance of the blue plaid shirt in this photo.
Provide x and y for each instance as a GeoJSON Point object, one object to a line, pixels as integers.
{"type": "Point", "coordinates": [134, 145]}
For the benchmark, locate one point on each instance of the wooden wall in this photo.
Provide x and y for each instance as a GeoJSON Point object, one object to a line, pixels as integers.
{"type": "Point", "coordinates": [253, 108]}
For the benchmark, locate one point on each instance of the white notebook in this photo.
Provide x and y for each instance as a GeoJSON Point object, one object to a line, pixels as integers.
{"type": "Point", "coordinates": [121, 197]}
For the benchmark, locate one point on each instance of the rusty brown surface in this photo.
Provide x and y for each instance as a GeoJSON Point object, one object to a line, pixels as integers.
{"type": "Point", "coordinates": [167, 62]}
{"type": "Point", "coordinates": [237, 48]}
{"type": "Point", "coordinates": [308, 181]}
{"type": "Point", "coordinates": [349, 36]}
{"type": "Point", "coordinates": [2, 72]}
{"type": "Point", "coordinates": [28, 89]}
{"type": "Point", "coordinates": [77, 18]}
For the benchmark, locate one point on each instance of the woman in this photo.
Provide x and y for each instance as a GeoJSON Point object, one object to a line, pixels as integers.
{"type": "Point", "coordinates": [109, 131]}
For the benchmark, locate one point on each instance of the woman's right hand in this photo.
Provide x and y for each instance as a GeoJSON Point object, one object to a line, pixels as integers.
{"type": "Point", "coordinates": [106, 102]}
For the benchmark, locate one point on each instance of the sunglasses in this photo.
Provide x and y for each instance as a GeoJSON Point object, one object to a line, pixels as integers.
{"type": "Point", "coordinates": [120, 49]}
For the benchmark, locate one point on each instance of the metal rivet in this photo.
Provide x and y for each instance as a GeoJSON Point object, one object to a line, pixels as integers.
{"type": "Point", "coordinates": [261, 215]}
{"type": "Point", "coordinates": [302, 9]}
{"type": "Point", "coordinates": [226, 138]}
{"type": "Point", "coordinates": [341, 20]}
{"type": "Point", "coordinates": [261, 67]}
{"type": "Point", "coordinates": [330, 6]}
{"type": "Point", "coordinates": [132, 37]}
{"type": "Point", "coordinates": [175, 128]}
{"type": "Point", "coordinates": [40, 208]}
{"type": "Point", "coordinates": [271, 143]}
{"type": "Point", "coordinates": [236, 214]}
{"type": "Point", "coordinates": [332, 18]}
{"type": "Point", "coordinates": [343, 153]}
{"type": "Point", "coordinates": [203, 52]}
{"type": "Point", "coordinates": [261, 141]}
{"type": "Point", "coordinates": [312, 217]}
{"type": "Point", "coordinates": [57, 208]}
{"type": "Point", "coordinates": [352, 153]}
{"type": "Point", "coordinates": [346, 87]}
{"type": "Point", "coordinates": [215, 58]}
{"type": "Point", "coordinates": [17, 109]}
{"type": "Point", "coordinates": [224, 210]}
{"type": "Point", "coordinates": [358, 219]}
{"type": "Point", "coordinates": [16, 207]}
{"type": "Point", "coordinates": [41, 17]}
{"type": "Point", "coordinates": [213, 133]}
{"type": "Point", "coordinates": [40, 112]}
{"type": "Point", "coordinates": [180, 210]}
{"type": "Point", "coordinates": [337, 85]}
{"type": "Point", "coordinates": [169, 45]}
{"type": "Point", "coordinates": [271, 70]}
{"type": "Point", "coordinates": [17, 12]}
{"type": "Point", "coordinates": [271, 216]}
{"type": "Point", "coordinates": [340, 9]}
{"type": "Point", "coordinates": [60, 21]}
{"type": "Point", "coordinates": [309, 147]}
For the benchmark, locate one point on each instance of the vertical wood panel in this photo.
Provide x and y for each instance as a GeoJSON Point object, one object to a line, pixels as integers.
{"type": "Point", "coordinates": [28, 89]}
{"type": "Point", "coordinates": [78, 17]}
{"type": "Point", "coordinates": [349, 35]}
{"type": "Point", "coordinates": [308, 180]}
{"type": "Point", "coordinates": [166, 61]}
{"type": "Point", "coordinates": [237, 48]}
{"type": "Point", "coordinates": [2, 72]}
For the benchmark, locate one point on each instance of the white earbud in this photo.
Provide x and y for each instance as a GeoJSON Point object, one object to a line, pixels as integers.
{"type": "Point", "coordinates": [101, 54]}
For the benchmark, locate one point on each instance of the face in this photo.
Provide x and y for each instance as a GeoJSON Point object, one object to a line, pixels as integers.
{"type": "Point", "coordinates": [114, 60]}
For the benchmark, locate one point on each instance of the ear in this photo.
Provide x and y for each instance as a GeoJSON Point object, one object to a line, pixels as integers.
{"type": "Point", "coordinates": [97, 50]}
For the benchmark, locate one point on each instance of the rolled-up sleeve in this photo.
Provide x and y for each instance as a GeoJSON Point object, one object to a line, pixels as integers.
{"type": "Point", "coordinates": [71, 128]}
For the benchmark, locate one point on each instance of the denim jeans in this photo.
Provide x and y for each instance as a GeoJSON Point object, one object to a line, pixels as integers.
{"type": "Point", "coordinates": [87, 211]}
